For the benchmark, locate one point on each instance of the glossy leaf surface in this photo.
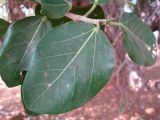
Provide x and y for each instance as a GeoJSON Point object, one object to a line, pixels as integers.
{"type": "Point", "coordinates": [139, 40]}
{"type": "Point", "coordinates": [55, 8]}
{"type": "Point", "coordinates": [18, 48]}
{"type": "Point", "coordinates": [3, 27]}
{"type": "Point", "coordinates": [71, 65]}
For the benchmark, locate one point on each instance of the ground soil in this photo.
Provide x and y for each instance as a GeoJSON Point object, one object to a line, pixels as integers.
{"type": "Point", "coordinates": [137, 99]}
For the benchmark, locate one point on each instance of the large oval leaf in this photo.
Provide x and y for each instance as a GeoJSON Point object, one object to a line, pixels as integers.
{"type": "Point", "coordinates": [3, 27]}
{"type": "Point", "coordinates": [71, 65]}
{"type": "Point", "coordinates": [18, 48]}
{"type": "Point", "coordinates": [55, 8]}
{"type": "Point", "coordinates": [139, 40]}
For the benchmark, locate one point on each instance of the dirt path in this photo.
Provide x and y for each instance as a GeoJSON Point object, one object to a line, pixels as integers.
{"type": "Point", "coordinates": [109, 104]}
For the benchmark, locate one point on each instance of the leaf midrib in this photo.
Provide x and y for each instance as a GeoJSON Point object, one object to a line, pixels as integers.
{"type": "Point", "coordinates": [34, 35]}
{"type": "Point", "coordinates": [50, 85]}
{"type": "Point", "coordinates": [134, 36]}
{"type": "Point", "coordinates": [19, 33]}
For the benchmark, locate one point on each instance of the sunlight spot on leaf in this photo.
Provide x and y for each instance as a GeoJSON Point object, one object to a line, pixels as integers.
{"type": "Point", "coordinates": [49, 85]}
{"type": "Point", "coordinates": [154, 52]}
{"type": "Point", "coordinates": [68, 85]}
{"type": "Point", "coordinates": [148, 47]}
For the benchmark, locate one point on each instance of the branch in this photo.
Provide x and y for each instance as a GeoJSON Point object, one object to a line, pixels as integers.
{"type": "Point", "coordinates": [120, 67]}
{"type": "Point", "coordinates": [75, 17]}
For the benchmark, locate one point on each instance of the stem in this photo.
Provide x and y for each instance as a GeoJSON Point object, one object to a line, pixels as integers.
{"type": "Point", "coordinates": [92, 8]}
{"type": "Point", "coordinates": [75, 17]}
{"type": "Point", "coordinates": [115, 23]}
{"type": "Point", "coordinates": [85, 19]}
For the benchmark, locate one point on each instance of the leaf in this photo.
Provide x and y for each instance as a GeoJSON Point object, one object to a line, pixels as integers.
{"type": "Point", "coordinates": [96, 14]}
{"type": "Point", "coordinates": [18, 48]}
{"type": "Point", "coordinates": [71, 65]}
{"type": "Point", "coordinates": [55, 8]}
{"type": "Point", "coordinates": [26, 110]}
{"type": "Point", "coordinates": [3, 27]}
{"type": "Point", "coordinates": [38, 9]}
{"type": "Point", "coordinates": [99, 1]}
{"type": "Point", "coordinates": [139, 40]}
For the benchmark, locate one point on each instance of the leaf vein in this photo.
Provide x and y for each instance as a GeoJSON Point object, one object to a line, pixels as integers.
{"type": "Point", "coordinates": [66, 39]}
{"type": "Point", "coordinates": [92, 33]}
{"type": "Point", "coordinates": [58, 55]}
{"type": "Point", "coordinates": [28, 46]}
{"type": "Point", "coordinates": [93, 64]}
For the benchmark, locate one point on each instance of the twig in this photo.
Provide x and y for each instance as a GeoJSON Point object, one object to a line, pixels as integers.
{"type": "Point", "coordinates": [85, 19]}
{"type": "Point", "coordinates": [120, 67]}
{"type": "Point", "coordinates": [152, 15]}
{"type": "Point", "coordinates": [154, 12]}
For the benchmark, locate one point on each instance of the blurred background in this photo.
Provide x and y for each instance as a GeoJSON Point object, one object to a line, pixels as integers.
{"type": "Point", "coordinates": [133, 93]}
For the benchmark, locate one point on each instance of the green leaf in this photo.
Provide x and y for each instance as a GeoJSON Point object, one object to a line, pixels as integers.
{"type": "Point", "coordinates": [38, 9]}
{"type": "Point", "coordinates": [18, 48]}
{"type": "Point", "coordinates": [3, 27]}
{"type": "Point", "coordinates": [139, 40]}
{"type": "Point", "coordinates": [26, 110]}
{"type": "Point", "coordinates": [55, 8]}
{"type": "Point", "coordinates": [71, 65]}
{"type": "Point", "coordinates": [99, 1]}
{"type": "Point", "coordinates": [96, 14]}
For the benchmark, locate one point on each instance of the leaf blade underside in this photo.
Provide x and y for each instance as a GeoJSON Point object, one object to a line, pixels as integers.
{"type": "Point", "coordinates": [18, 48]}
{"type": "Point", "coordinates": [3, 27]}
{"type": "Point", "coordinates": [139, 40]}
